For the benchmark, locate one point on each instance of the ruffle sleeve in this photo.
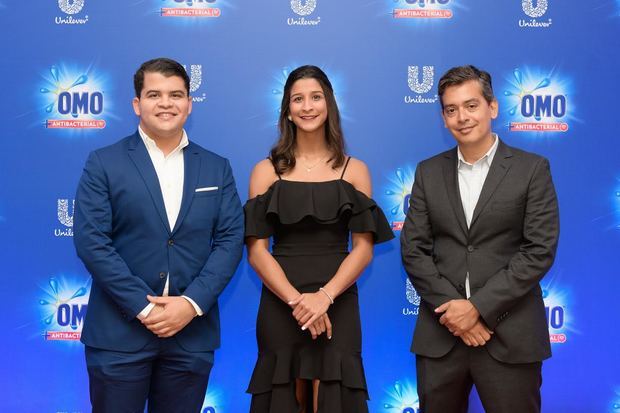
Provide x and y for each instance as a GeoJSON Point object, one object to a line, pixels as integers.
{"type": "Point", "coordinates": [289, 202]}
{"type": "Point", "coordinates": [257, 222]}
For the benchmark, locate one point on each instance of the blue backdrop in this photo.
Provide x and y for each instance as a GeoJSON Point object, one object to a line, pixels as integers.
{"type": "Point", "coordinates": [68, 69]}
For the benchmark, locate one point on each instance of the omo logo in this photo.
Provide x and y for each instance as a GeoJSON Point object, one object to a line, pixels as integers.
{"type": "Point", "coordinates": [74, 96]}
{"type": "Point", "coordinates": [303, 7]}
{"type": "Point", "coordinates": [213, 401]}
{"type": "Point", "coordinates": [80, 103]}
{"type": "Point", "coordinates": [64, 305]}
{"type": "Point", "coordinates": [538, 101]}
{"type": "Point", "coordinates": [555, 317]}
{"type": "Point", "coordinates": [423, 3]}
{"type": "Point", "coordinates": [192, 2]}
{"type": "Point", "coordinates": [190, 8]}
{"type": "Point", "coordinates": [555, 309]}
{"type": "Point", "coordinates": [402, 397]}
{"type": "Point", "coordinates": [397, 194]}
{"type": "Point", "coordinates": [422, 9]}
{"type": "Point", "coordinates": [71, 315]}
{"type": "Point", "coordinates": [534, 11]}
{"type": "Point", "coordinates": [71, 6]}
{"type": "Point", "coordinates": [543, 106]}
{"type": "Point", "coordinates": [413, 78]}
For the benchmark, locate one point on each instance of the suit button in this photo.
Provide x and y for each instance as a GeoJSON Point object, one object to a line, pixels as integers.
{"type": "Point", "coordinates": [461, 287]}
{"type": "Point", "coordinates": [171, 242]}
{"type": "Point", "coordinates": [162, 275]}
{"type": "Point", "coordinates": [470, 248]}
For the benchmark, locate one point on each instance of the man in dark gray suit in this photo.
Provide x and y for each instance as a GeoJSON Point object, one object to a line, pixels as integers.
{"type": "Point", "coordinates": [481, 231]}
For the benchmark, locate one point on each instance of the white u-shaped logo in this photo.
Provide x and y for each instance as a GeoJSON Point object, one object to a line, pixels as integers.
{"type": "Point", "coordinates": [195, 77]}
{"type": "Point", "coordinates": [530, 10]}
{"type": "Point", "coordinates": [413, 78]}
{"type": "Point", "coordinates": [64, 216]}
{"type": "Point", "coordinates": [71, 6]}
{"type": "Point", "coordinates": [303, 9]}
{"type": "Point", "coordinates": [412, 294]}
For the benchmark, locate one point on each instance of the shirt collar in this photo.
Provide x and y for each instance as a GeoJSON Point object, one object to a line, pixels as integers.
{"type": "Point", "coordinates": [151, 145]}
{"type": "Point", "coordinates": [488, 157]}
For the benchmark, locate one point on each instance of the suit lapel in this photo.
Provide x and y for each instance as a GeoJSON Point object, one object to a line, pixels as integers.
{"type": "Point", "coordinates": [499, 167]}
{"type": "Point", "coordinates": [191, 162]}
{"type": "Point", "coordinates": [452, 187]}
{"type": "Point", "coordinates": [141, 159]}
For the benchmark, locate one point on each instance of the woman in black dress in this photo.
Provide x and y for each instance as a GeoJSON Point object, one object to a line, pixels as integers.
{"type": "Point", "coordinates": [309, 196]}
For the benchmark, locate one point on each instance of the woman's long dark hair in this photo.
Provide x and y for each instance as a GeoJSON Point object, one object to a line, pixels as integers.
{"type": "Point", "coordinates": [282, 154]}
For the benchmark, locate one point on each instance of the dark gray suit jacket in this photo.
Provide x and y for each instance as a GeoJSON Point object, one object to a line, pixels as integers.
{"type": "Point", "coordinates": [508, 248]}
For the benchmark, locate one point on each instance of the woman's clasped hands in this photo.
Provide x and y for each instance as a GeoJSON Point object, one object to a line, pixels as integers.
{"type": "Point", "coordinates": [310, 311]}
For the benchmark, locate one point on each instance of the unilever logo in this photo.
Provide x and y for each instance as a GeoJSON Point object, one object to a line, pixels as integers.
{"type": "Point", "coordinates": [422, 9]}
{"type": "Point", "coordinates": [538, 101]}
{"type": "Point", "coordinates": [63, 305]}
{"type": "Point", "coordinates": [66, 208]}
{"type": "Point", "coordinates": [70, 8]}
{"type": "Point", "coordinates": [303, 8]}
{"type": "Point", "coordinates": [420, 85]}
{"type": "Point", "coordinates": [534, 9]}
{"type": "Point", "coordinates": [195, 81]}
{"type": "Point", "coordinates": [413, 298]}
{"type": "Point", "coordinates": [74, 98]}
{"type": "Point", "coordinates": [396, 196]}
{"type": "Point", "coordinates": [189, 8]}
{"type": "Point", "coordinates": [402, 397]}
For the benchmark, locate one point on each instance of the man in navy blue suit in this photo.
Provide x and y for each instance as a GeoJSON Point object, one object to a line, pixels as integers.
{"type": "Point", "coordinates": [159, 225]}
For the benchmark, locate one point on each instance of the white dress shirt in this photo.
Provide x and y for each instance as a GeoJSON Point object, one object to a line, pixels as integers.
{"type": "Point", "coordinates": [170, 171]}
{"type": "Point", "coordinates": [471, 180]}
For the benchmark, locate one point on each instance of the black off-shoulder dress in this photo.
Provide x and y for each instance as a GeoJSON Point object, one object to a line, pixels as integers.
{"type": "Point", "coordinates": [310, 224]}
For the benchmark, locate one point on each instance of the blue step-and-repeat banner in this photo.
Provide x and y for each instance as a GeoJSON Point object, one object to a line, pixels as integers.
{"type": "Point", "coordinates": [68, 65]}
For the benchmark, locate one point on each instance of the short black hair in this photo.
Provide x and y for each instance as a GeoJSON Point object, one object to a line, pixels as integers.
{"type": "Point", "coordinates": [163, 65]}
{"type": "Point", "coordinates": [461, 74]}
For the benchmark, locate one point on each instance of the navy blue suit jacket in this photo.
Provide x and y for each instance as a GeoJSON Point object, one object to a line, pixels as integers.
{"type": "Point", "coordinates": [122, 235]}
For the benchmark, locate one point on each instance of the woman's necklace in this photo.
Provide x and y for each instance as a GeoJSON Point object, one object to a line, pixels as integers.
{"type": "Point", "coordinates": [309, 168]}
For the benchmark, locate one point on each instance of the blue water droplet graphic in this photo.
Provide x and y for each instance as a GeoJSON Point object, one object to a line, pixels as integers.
{"type": "Point", "coordinates": [54, 284]}
{"type": "Point", "coordinates": [518, 76]}
{"type": "Point", "coordinates": [79, 81]}
{"type": "Point", "coordinates": [399, 389]}
{"type": "Point", "coordinates": [54, 72]}
{"type": "Point", "coordinates": [79, 293]}
{"type": "Point", "coordinates": [543, 83]}
{"type": "Point", "coordinates": [400, 175]}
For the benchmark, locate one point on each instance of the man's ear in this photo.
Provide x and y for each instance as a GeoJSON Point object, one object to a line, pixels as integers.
{"type": "Point", "coordinates": [135, 102]}
{"type": "Point", "coordinates": [494, 109]}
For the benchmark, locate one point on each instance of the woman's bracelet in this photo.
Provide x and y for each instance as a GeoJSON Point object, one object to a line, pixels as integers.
{"type": "Point", "coordinates": [331, 300]}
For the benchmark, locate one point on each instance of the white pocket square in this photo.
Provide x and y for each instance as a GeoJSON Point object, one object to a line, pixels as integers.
{"type": "Point", "coordinates": [206, 189]}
